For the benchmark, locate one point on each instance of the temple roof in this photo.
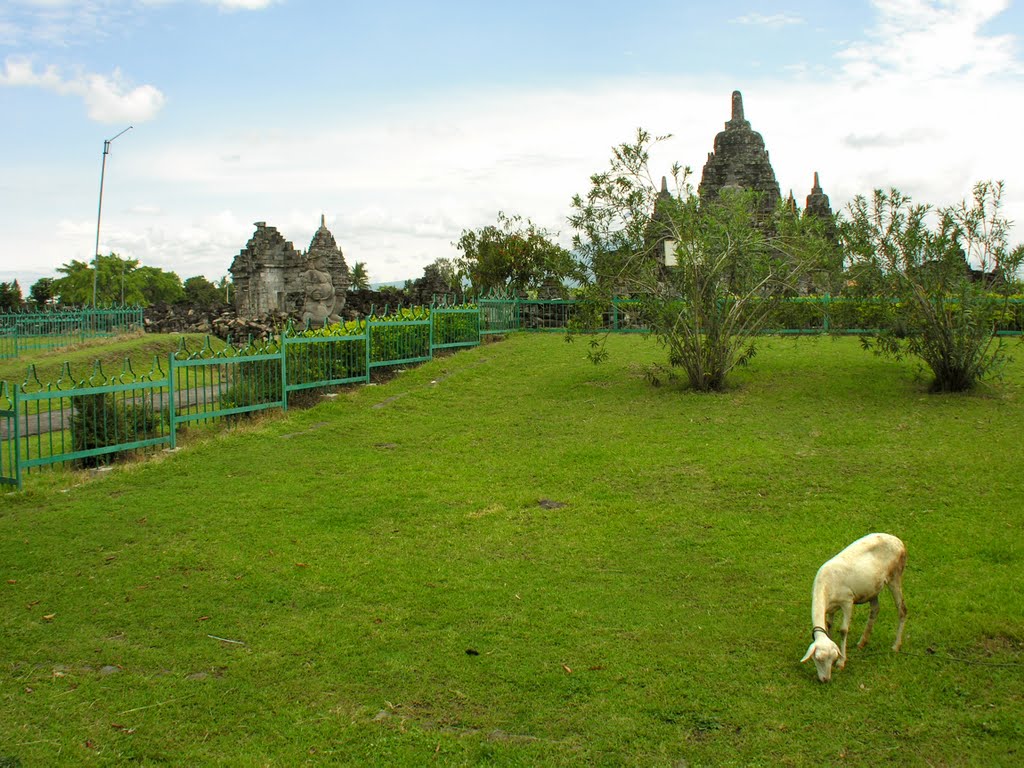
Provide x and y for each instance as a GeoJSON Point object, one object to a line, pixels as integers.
{"type": "Point", "coordinates": [740, 161]}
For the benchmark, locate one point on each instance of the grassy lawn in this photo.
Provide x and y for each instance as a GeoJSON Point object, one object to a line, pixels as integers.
{"type": "Point", "coordinates": [511, 556]}
{"type": "Point", "coordinates": [110, 352]}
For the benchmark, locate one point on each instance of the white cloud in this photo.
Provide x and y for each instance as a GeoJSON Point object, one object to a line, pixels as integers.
{"type": "Point", "coordinates": [108, 98]}
{"type": "Point", "coordinates": [772, 20]}
{"type": "Point", "coordinates": [399, 185]}
{"type": "Point", "coordinates": [241, 5]}
{"type": "Point", "coordinates": [925, 39]}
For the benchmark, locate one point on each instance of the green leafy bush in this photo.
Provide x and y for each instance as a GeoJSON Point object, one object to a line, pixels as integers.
{"type": "Point", "coordinates": [97, 422]}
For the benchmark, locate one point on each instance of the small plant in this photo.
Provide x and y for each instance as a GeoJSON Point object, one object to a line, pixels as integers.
{"type": "Point", "coordinates": [96, 423]}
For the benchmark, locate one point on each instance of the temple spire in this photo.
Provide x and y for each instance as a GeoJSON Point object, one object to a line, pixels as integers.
{"type": "Point", "coordinates": [322, 224]}
{"type": "Point", "coordinates": [817, 184]}
{"type": "Point", "coordinates": [664, 185]}
{"type": "Point", "coordinates": [737, 106]}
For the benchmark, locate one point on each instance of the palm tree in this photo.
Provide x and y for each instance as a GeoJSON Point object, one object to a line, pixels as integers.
{"type": "Point", "coordinates": [359, 277]}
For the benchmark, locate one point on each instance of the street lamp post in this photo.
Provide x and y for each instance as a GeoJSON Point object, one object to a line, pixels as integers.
{"type": "Point", "coordinates": [99, 213]}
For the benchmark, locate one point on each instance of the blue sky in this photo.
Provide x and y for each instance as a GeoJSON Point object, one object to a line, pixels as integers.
{"type": "Point", "coordinates": [405, 123]}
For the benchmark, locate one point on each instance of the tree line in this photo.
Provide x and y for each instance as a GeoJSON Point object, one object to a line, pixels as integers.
{"type": "Point", "coordinates": [119, 281]}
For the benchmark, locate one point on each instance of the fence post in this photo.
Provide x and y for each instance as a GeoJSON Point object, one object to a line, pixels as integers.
{"type": "Point", "coordinates": [172, 408]}
{"type": "Point", "coordinates": [17, 439]}
{"type": "Point", "coordinates": [368, 336]}
{"type": "Point", "coordinates": [284, 369]}
{"type": "Point", "coordinates": [432, 316]}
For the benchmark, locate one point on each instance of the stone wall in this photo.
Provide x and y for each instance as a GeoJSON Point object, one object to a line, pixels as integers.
{"type": "Point", "coordinates": [223, 322]}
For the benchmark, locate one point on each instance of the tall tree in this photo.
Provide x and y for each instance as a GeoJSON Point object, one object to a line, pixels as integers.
{"type": "Point", "coordinates": [949, 273]}
{"type": "Point", "coordinates": [42, 291]}
{"type": "Point", "coordinates": [200, 292]}
{"type": "Point", "coordinates": [227, 287]}
{"type": "Point", "coordinates": [514, 254]}
{"type": "Point", "coordinates": [703, 276]}
{"type": "Point", "coordinates": [157, 286]}
{"type": "Point", "coordinates": [118, 281]}
{"type": "Point", "coordinates": [359, 278]}
{"type": "Point", "coordinates": [10, 296]}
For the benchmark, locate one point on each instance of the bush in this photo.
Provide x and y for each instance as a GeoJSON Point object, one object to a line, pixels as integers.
{"type": "Point", "coordinates": [253, 383]}
{"type": "Point", "coordinates": [96, 422]}
{"type": "Point", "coordinates": [100, 421]}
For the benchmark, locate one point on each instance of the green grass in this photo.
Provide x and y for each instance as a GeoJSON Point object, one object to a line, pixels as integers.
{"type": "Point", "coordinates": [360, 548]}
{"type": "Point", "coordinates": [110, 352]}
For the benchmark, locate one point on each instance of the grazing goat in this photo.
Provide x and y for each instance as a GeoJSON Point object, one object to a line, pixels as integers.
{"type": "Point", "coordinates": [854, 576]}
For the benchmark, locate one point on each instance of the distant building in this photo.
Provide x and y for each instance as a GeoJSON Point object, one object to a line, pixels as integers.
{"type": "Point", "coordinates": [740, 161]}
{"type": "Point", "coordinates": [269, 272]}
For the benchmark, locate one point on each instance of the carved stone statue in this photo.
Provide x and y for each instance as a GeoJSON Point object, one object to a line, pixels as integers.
{"type": "Point", "coordinates": [318, 307]}
{"type": "Point", "coordinates": [270, 275]}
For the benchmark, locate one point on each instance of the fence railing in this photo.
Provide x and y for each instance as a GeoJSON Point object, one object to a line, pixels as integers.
{"type": "Point", "coordinates": [86, 421]}
{"type": "Point", "coordinates": [34, 331]}
{"type": "Point", "coordinates": [798, 315]}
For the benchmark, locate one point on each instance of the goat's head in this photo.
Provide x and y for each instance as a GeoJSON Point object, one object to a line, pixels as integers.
{"type": "Point", "coordinates": [825, 653]}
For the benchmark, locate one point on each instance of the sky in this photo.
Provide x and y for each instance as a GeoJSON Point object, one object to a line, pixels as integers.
{"type": "Point", "coordinates": [404, 123]}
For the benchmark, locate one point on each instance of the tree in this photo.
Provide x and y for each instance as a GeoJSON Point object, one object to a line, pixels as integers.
{"type": "Point", "coordinates": [703, 276]}
{"type": "Point", "coordinates": [157, 286]}
{"type": "Point", "coordinates": [200, 292]}
{"type": "Point", "coordinates": [359, 278]}
{"type": "Point", "coordinates": [946, 313]}
{"type": "Point", "coordinates": [227, 286]}
{"type": "Point", "coordinates": [513, 255]}
{"type": "Point", "coordinates": [10, 296]}
{"type": "Point", "coordinates": [42, 291]}
{"type": "Point", "coordinates": [118, 281]}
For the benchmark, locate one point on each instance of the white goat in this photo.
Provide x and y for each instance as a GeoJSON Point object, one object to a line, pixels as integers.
{"type": "Point", "coordinates": [854, 576]}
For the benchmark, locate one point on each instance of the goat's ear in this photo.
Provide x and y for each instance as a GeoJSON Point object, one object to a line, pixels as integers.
{"type": "Point", "coordinates": [808, 654]}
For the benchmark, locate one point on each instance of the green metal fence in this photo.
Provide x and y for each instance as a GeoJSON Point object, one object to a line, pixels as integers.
{"type": "Point", "coordinates": [34, 331]}
{"type": "Point", "coordinates": [399, 339]}
{"type": "Point", "coordinates": [8, 342]}
{"type": "Point", "coordinates": [799, 315]}
{"type": "Point", "coordinates": [455, 326]}
{"type": "Point", "coordinates": [9, 438]}
{"type": "Point", "coordinates": [322, 359]}
{"type": "Point", "coordinates": [85, 422]}
{"type": "Point", "coordinates": [499, 314]}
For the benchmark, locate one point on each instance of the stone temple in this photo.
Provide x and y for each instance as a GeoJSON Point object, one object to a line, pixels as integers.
{"type": "Point", "coordinates": [271, 275]}
{"type": "Point", "coordinates": [740, 161]}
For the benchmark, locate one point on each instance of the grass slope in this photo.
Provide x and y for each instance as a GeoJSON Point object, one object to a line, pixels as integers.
{"type": "Point", "coordinates": [400, 595]}
{"type": "Point", "coordinates": [111, 353]}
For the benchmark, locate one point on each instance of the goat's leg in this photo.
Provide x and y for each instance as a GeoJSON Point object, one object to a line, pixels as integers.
{"type": "Point", "coordinates": [844, 631]}
{"type": "Point", "coordinates": [896, 588]}
{"type": "Point", "coordinates": [871, 623]}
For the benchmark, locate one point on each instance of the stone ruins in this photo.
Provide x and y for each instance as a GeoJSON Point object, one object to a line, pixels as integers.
{"type": "Point", "coordinates": [272, 276]}
{"type": "Point", "coordinates": [740, 161]}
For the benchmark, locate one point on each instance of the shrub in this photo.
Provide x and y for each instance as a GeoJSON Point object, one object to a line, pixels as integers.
{"type": "Point", "coordinates": [96, 422]}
